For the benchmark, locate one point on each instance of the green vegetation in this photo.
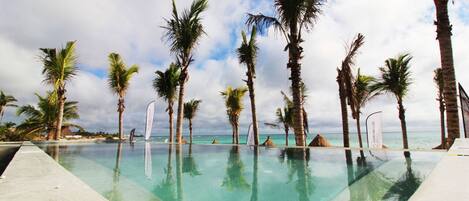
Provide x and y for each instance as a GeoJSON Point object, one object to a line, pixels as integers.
{"type": "Point", "coordinates": [6, 101]}
{"type": "Point", "coordinates": [42, 118]}
{"type": "Point", "coordinates": [9, 133]}
{"type": "Point", "coordinates": [363, 92]}
{"type": "Point", "coordinates": [395, 79]}
{"type": "Point", "coordinates": [59, 69]}
{"type": "Point", "coordinates": [247, 54]}
{"type": "Point", "coordinates": [289, 104]}
{"type": "Point", "coordinates": [234, 105]}
{"type": "Point", "coordinates": [119, 81]}
{"type": "Point", "coordinates": [39, 119]}
{"type": "Point", "coordinates": [345, 81]}
{"type": "Point", "coordinates": [190, 110]}
{"type": "Point", "coordinates": [166, 84]}
{"type": "Point", "coordinates": [290, 19]}
{"type": "Point", "coordinates": [183, 32]}
{"type": "Point", "coordinates": [285, 119]}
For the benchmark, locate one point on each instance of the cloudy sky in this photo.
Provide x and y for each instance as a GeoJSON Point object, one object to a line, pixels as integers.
{"type": "Point", "coordinates": [132, 28]}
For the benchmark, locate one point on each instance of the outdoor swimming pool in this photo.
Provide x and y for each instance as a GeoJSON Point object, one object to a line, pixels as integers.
{"type": "Point", "coordinates": [150, 171]}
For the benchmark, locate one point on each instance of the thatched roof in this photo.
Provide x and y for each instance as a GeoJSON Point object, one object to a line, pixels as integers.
{"type": "Point", "coordinates": [268, 142]}
{"type": "Point", "coordinates": [319, 141]}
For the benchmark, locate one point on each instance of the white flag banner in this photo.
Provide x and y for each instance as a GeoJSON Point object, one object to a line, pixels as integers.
{"type": "Point", "coordinates": [148, 162]}
{"type": "Point", "coordinates": [250, 140]}
{"type": "Point", "coordinates": [149, 120]}
{"type": "Point", "coordinates": [375, 131]}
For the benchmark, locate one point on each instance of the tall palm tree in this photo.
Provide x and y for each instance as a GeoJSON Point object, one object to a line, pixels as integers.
{"type": "Point", "coordinates": [119, 81]}
{"type": "Point", "coordinates": [440, 84]}
{"type": "Point", "coordinates": [5, 101]}
{"type": "Point", "coordinates": [59, 69]}
{"type": "Point", "coordinates": [166, 84]}
{"type": "Point", "coordinates": [285, 118]}
{"type": "Point", "coordinates": [183, 32]}
{"type": "Point", "coordinates": [290, 18]}
{"type": "Point", "coordinates": [363, 92]}
{"type": "Point", "coordinates": [42, 119]}
{"type": "Point", "coordinates": [345, 81]}
{"type": "Point", "coordinates": [190, 110]}
{"type": "Point", "coordinates": [395, 79]}
{"type": "Point", "coordinates": [247, 54]}
{"type": "Point", "coordinates": [234, 105]}
{"type": "Point", "coordinates": [443, 31]}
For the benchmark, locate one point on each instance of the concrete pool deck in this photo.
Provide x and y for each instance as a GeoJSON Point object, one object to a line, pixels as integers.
{"type": "Point", "coordinates": [449, 180]}
{"type": "Point", "coordinates": [34, 175]}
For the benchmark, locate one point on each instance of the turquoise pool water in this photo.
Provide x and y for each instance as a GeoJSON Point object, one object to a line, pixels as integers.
{"type": "Point", "coordinates": [150, 171]}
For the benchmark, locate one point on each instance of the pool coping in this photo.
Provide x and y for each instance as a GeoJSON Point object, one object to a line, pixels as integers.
{"type": "Point", "coordinates": [34, 175]}
{"type": "Point", "coordinates": [449, 180]}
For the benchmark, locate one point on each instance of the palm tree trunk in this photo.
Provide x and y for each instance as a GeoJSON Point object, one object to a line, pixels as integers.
{"type": "Point", "coordinates": [180, 114]}
{"type": "Point", "coordinates": [170, 113]}
{"type": "Point", "coordinates": [286, 136]}
{"type": "Point", "coordinates": [61, 102]}
{"type": "Point", "coordinates": [233, 134]}
{"type": "Point", "coordinates": [190, 130]}
{"type": "Point", "coordinates": [250, 84]}
{"type": "Point", "coordinates": [237, 133]}
{"type": "Point", "coordinates": [343, 108]}
{"type": "Point", "coordinates": [403, 126]}
{"type": "Point", "coordinates": [294, 51]}
{"type": "Point", "coordinates": [442, 123]}
{"type": "Point", "coordinates": [446, 52]}
{"type": "Point", "coordinates": [121, 118]}
{"type": "Point", "coordinates": [359, 132]}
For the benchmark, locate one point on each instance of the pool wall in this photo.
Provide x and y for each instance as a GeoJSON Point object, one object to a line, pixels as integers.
{"type": "Point", "coordinates": [34, 175]}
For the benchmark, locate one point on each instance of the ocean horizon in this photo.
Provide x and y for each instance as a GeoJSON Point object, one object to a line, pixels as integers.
{"type": "Point", "coordinates": [424, 140]}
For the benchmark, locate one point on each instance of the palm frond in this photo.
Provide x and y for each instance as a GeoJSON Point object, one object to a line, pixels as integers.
{"type": "Point", "coordinates": [234, 102]}
{"type": "Point", "coordinates": [363, 90]}
{"type": "Point", "coordinates": [191, 108]}
{"type": "Point", "coordinates": [312, 9]}
{"type": "Point", "coordinates": [247, 52]}
{"type": "Point", "coordinates": [167, 82]}
{"type": "Point", "coordinates": [183, 32]}
{"type": "Point", "coordinates": [263, 22]}
{"type": "Point", "coordinates": [42, 118]}
{"type": "Point", "coordinates": [395, 76]}
{"type": "Point", "coordinates": [347, 70]}
{"type": "Point", "coordinates": [59, 64]}
{"type": "Point", "coordinates": [119, 76]}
